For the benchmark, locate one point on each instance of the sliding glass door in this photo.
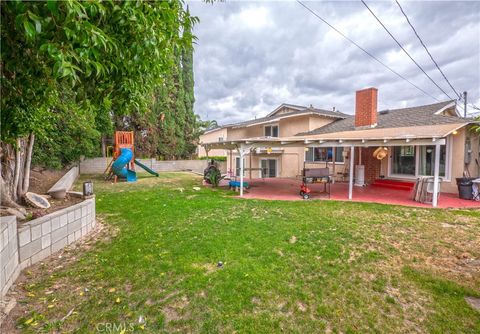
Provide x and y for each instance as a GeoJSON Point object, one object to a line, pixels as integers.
{"type": "Point", "coordinates": [412, 161]}
{"type": "Point", "coordinates": [403, 160]}
{"type": "Point", "coordinates": [269, 167]}
{"type": "Point", "coordinates": [427, 160]}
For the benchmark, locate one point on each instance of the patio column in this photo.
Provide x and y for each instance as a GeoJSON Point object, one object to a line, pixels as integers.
{"type": "Point", "coordinates": [350, 179]}
{"type": "Point", "coordinates": [231, 173]}
{"type": "Point", "coordinates": [436, 173]}
{"type": "Point", "coordinates": [334, 154]}
{"type": "Point", "coordinates": [242, 151]}
{"type": "Point", "coordinates": [250, 162]}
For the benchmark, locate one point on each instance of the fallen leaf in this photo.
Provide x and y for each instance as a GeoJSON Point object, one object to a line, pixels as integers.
{"type": "Point", "coordinates": [111, 290]}
{"type": "Point", "coordinates": [117, 300]}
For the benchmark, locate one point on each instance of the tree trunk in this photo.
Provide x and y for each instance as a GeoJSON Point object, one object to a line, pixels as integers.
{"type": "Point", "coordinates": [28, 163]}
{"type": "Point", "coordinates": [104, 148]}
{"type": "Point", "coordinates": [15, 170]}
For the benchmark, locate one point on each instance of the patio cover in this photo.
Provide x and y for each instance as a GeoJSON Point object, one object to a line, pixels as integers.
{"type": "Point", "coordinates": [364, 137]}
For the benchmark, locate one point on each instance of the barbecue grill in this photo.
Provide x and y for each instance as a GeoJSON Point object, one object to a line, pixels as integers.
{"type": "Point", "coordinates": [315, 175]}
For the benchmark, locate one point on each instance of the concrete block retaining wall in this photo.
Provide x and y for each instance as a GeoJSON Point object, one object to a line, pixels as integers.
{"type": "Point", "coordinates": [41, 237]}
{"type": "Point", "coordinates": [9, 268]}
{"type": "Point", "coordinates": [98, 165]}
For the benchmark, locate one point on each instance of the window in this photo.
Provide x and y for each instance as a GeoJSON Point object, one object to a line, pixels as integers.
{"type": "Point", "coordinates": [271, 131]}
{"type": "Point", "coordinates": [220, 139]}
{"type": "Point", "coordinates": [323, 154]}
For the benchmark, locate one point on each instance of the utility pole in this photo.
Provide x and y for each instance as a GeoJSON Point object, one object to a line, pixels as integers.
{"type": "Point", "coordinates": [465, 104]}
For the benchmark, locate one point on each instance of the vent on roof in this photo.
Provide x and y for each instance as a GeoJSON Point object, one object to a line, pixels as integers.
{"type": "Point", "coordinates": [384, 112]}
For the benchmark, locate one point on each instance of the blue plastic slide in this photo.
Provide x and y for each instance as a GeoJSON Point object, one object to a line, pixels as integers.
{"type": "Point", "coordinates": [119, 165]}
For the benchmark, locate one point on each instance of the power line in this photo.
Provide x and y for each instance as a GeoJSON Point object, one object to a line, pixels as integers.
{"type": "Point", "coordinates": [425, 47]}
{"type": "Point", "coordinates": [361, 48]}
{"type": "Point", "coordinates": [406, 52]}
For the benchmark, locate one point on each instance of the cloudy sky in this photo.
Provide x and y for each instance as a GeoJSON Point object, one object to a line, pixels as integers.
{"type": "Point", "coordinates": [252, 56]}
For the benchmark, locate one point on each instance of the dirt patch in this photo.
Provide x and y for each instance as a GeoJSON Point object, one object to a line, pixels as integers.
{"type": "Point", "coordinates": [55, 205]}
{"type": "Point", "coordinates": [41, 180]}
{"type": "Point", "coordinates": [176, 310]}
{"type": "Point", "coordinates": [207, 267]}
{"type": "Point", "coordinates": [49, 266]}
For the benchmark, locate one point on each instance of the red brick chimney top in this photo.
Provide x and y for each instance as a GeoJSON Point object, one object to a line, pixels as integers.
{"type": "Point", "coordinates": [366, 107]}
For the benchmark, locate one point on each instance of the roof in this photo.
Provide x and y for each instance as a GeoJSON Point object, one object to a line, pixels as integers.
{"type": "Point", "coordinates": [425, 115]}
{"type": "Point", "coordinates": [287, 105]}
{"type": "Point", "coordinates": [405, 132]}
{"type": "Point", "coordinates": [273, 117]}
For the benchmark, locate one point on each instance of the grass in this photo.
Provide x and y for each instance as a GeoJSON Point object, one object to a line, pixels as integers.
{"type": "Point", "coordinates": [296, 267]}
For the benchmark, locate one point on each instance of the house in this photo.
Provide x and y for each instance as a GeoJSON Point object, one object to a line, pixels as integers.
{"type": "Point", "coordinates": [423, 140]}
{"type": "Point", "coordinates": [285, 121]}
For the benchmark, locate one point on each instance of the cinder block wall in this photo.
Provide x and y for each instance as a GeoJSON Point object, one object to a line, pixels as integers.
{"type": "Point", "coordinates": [41, 237]}
{"type": "Point", "coordinates": [33, 241]}
{"type": "Point", "coordinates": [98, 165]}
{"type": "Point", "coordinates": [8, 253]}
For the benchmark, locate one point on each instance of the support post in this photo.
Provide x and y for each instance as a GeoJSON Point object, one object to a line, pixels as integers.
{"type": "Point", "coordinates": [334, 154]}
{"type": "Point", "coordinates": [350, 179]}
{"type": "Point", "coordinates": [250, 168]}
{"type": "Point", "coordinates": [436, 173]}
{"type": "Point", "coordinates": [231, 164]}
{"type": "Point", "coordinates": [242, 151]}
{"type": "Point", "coordinates": [242, 154]}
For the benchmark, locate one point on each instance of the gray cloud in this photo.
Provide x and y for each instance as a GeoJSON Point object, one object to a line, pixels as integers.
{"type": "Point", "coordinates": [252, 56]}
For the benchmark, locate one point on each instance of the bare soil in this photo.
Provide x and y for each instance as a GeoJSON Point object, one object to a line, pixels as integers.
{"type": "Point", "coordinates": [63, 258]}
{"type": "Point", "coordinates": [41, 180]}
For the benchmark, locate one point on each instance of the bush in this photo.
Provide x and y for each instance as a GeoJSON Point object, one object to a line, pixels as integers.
{"type": "Point", "coordinates": [215, 158]}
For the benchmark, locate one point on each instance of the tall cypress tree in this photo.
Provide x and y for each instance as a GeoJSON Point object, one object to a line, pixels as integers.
{"type": "Point", "coordinates": [188, 87]}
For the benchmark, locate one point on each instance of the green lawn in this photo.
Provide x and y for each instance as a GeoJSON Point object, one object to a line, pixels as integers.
{"type": "Point", "coordinates": [294, 267]}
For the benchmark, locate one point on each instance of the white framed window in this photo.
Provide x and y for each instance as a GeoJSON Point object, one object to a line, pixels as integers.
{"type": "Point", "coordinates": [220, 139]}
{"type": "Point", "coordinates": [271, 131]}
{"type": "Point", "coordinates": [324, 154]}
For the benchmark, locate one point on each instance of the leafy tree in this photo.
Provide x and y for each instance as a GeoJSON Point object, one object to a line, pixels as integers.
{"type": "Point", "coordinates": [104, 58]}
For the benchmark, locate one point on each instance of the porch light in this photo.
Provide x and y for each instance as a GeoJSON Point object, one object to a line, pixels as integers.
{"type": "Point", "coordinates": [455, 132]}
{"type": "Point", "coordinates": [269, 150]}
{"type": "Point", "coordinates": [306, 149]}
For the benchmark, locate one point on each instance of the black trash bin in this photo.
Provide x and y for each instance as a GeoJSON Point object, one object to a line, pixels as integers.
{"type": "Point", "coordinates": [464, 185]}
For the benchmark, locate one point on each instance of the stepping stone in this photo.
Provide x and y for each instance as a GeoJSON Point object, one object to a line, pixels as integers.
{"type": "Point", "coordinates": [473, 302]}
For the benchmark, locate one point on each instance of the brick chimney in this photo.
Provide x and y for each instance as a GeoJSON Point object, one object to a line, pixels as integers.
{"type": "Point", "coordinates": [366, 107]}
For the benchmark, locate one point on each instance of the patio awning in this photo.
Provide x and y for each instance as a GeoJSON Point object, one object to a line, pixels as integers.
{"type": "Point", "coordinates": [401, 136]}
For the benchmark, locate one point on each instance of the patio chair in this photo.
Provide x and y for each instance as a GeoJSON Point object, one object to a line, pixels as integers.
{"type": "Point", "coordinates": [429, 189]}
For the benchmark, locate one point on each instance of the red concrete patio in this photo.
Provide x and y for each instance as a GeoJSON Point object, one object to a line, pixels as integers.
{"type": "Point", "coordinates": [288, 189]}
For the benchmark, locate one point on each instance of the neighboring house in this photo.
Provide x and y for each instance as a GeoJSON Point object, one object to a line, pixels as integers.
{"type": "Point", "coordinates": [411, 137]}
{"type": "Point", "coordinates": [285, 121]}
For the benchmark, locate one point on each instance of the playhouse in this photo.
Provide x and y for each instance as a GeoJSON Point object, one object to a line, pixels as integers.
{"type": "Point", "coordinates": [123, 160]}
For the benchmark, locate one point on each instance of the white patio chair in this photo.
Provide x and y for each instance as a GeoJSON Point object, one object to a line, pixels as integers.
{"type": "Point", "coordinates": [429, 190]}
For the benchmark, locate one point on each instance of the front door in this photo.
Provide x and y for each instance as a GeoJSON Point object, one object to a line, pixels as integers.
{"type": "Point", "coordinates": [269, 167]}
